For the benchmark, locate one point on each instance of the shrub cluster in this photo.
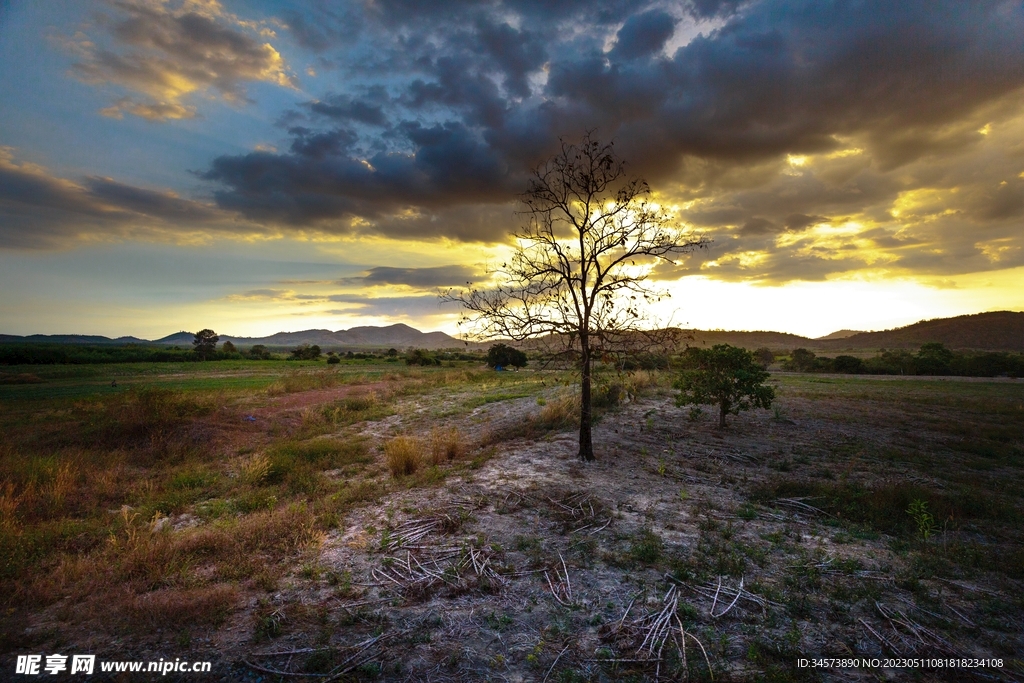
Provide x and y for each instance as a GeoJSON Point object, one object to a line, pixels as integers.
{"type": "Point", "coordinates": [931, 359]}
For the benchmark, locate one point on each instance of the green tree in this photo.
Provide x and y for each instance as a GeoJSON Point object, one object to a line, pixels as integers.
{"type": "Point", "coordinates": [577, 275]}
{"type": "Point", "coordinates": [726, 376]}
{"type": "Point", "coordinates": [505, 356]}
{"type": "Point", "coordinates": [259, 352]}
{"type": "Point", "coordinates": [306, 352]}
{"type": "Point", "coordinates": [420, 357]}
{"type": "Point", "coordinates": [205, 343]}
{"type": "Point", "coordinates": [850, 365]}
{"type": "Point", "coordinates": [933, 359]}
{"type": "Point", "coordinates": [764, 356]}
{"type": "Point", "coordinates": [801, 360]}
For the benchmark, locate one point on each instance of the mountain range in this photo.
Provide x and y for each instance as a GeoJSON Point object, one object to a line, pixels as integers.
{"type": "Point", "coordinates": [995, 331]}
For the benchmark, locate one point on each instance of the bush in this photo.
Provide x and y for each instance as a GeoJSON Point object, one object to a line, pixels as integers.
{"type": "Point", "coordinates": [504, 356]}
{"type": "Point", "coordinates": [333, 360]}
{"type": "Point", "coordinates": [306, 352]}
{"type": "Point", "coordinates": [800, 360]}
{"type": "Point", "coordinates": [420, 357]}
{"type": "Point", "coordinates": [259, 352]}
{"type": "Point", "coordinates": [645, 361]}
{"type": "Point", "coordinates": [764, 356]}
{"type": "Point", "coordinates": [847, 364]}
{"type": "Point", "coordinates": [402, 455]}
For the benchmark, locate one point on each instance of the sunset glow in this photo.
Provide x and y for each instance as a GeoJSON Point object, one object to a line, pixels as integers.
{"type": "Point", "coordinates": [258, 166]}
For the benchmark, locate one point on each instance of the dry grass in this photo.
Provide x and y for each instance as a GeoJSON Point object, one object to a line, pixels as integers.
{"type": "Point", "coordinates": [403, 455]}
{"type": "Point", "coordinates": [446, 444]}
{"type": "Point", "coordinates": [304, 381]}
{"type": "Point", "coordinates": [180, 608]}
{"type": "Point", "coordinates": [255, 470]}
{"type": "Point", "coordinates": [563, 411]}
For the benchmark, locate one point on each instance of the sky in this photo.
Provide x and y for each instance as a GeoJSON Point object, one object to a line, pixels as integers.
{"type": "Point", "coordinates": [256, 167]}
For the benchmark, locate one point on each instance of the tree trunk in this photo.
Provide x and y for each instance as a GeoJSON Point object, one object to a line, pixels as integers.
{"type": "Point", "coordinates": [724, 409]}
{"type": "Point", "coordinates": [586, 410]}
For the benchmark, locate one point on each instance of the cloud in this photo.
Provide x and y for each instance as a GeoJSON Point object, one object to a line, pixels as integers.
{"type": "Point", "coordinates": [393, 306]}
{"type": "Point", "coordinates": [349, 109]}
{"type": "Point", "coordinates": [41, 211]}
{"type": "Point", "coordinates": [166, 52]}
{"type": "Point", "coordinates": [467, 98]}
{"type": "Point", "coordinates": [809, 139]}
{"type": "Point", "coordinates": [643, 34]}
{"type": "Point", "coordinates": [420, 278]}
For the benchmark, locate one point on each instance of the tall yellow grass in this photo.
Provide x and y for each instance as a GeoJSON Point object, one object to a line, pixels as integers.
{"type": "Point", "coordinates": [402, 455]}
{"type": "Point", "coordinates": [446, 444]}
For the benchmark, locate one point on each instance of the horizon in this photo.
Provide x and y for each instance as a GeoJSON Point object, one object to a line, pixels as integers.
{"type": "Point", "coordinates": [267, 166]}
{"type": "Point", "coordinates": [479, 341]}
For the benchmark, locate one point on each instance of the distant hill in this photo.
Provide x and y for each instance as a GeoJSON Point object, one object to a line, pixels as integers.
{"type": "Point", "coordinates": [398, 336]}
{"type": "Point", "coordinates": [749, 340]}
{"type": "Point", "coordinates": [177, 339]}
{"type": "Point", "coordinates": [840, 334]}
{"type": "Point", "coordinates": [996, 331]}
{"type": "Point", "coordinates": [72, 339]}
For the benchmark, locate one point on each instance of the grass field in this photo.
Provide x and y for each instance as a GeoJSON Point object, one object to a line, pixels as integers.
{"type": "Point", "coordinates": [376, 521]}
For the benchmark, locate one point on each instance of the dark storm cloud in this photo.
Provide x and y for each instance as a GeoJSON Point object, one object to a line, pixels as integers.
{"type": "Point", "coordinates": [643, 35]}
{"type": "Point", "coordinates": [758, 226]}
{"type": "Point", "coordinates": [346, 108]}
{"type": "Point", "coordinates": [467, 121]}
{"type": "Point", "coordinates": [799, 221]}
{"type": "Point", "coordinates": [320, 181]}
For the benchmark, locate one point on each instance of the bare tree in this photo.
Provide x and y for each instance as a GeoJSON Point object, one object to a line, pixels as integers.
{"type": "Point", "coordinates": [578, 273]}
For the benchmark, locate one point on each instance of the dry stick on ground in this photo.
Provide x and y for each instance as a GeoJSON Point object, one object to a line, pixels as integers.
{"type": "Point", "coordinates": [710, 591]}
{"type": "Point", "coordinates": [739, 592]}
{"type": "Point", "coordinates": [925, 636]}
{"type": "Point", "coordinates": [654, 631]}
{"type": "Point", "coordinates": [340, 670]}
{"type": "Point", "coordinates": [552, 667]}
{"type": "Point", "coordinates": [448, 567]}
{"type": "Point", "coordinates": [798, 504]}
{"type": "Point", "coordinates": [881, 639]}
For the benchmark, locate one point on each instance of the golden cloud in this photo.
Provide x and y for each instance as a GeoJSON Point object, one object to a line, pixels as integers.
{"type": "Point", "coordinates": [167, 53]}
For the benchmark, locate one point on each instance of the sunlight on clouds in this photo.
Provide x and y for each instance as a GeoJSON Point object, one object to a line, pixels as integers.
{"type": "Point", "coordinates": [844, 153]}
{"type": "Point", "coordinates": [168, 53]}
{"type": "Point", "coordinates": [998, 250]}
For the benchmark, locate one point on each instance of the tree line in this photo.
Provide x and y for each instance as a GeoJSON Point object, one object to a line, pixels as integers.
{"type": "Point", "coordinates": [931, 359]}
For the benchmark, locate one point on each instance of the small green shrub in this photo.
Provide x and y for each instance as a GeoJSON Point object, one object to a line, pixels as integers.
{"type": "Point", "coordinates": [925, 523]}
{"type": "Point", "coordinates": [646, 547]}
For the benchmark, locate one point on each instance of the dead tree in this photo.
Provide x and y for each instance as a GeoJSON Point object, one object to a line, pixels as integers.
{"type": "Point", "coordinates": [578, 275]}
